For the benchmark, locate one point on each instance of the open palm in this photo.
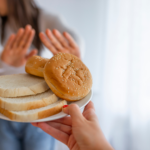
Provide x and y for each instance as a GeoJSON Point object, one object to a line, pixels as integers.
{"type": "Point", "coordinates": [15, 50]}
{"type": "Point", "coordinates": [57, 42]}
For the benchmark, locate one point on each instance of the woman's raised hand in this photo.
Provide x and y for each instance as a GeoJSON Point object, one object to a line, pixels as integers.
{"type": "Point", "coordinates": [57, 42]}
{"type": "Point", "coordinates": [15, 50]}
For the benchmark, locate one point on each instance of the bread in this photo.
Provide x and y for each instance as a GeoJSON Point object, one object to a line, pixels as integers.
{"type": "Point", "coordinates": [31, 115]}
{"type": "Point", "coordinates": [28, 102]}
{"type": "Point", "coordinates": [68, 77]}
{"type": "Point", "coordinates": [21, 85]}
{"type": "Point", "coordinates": [35, 65]}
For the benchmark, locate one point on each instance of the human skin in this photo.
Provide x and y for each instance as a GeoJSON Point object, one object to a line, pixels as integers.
{"type": "Point", "coordinates": [15, 50]}
{"type": "Point", "coordinates": [57, 42]}
{"type": "Point", "coordinates": [79, 131]}
{"type": "Point", "coordinates": [3, 8]}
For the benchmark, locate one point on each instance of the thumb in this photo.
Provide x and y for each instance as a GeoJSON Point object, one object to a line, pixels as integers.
{"type": "Point", "coordinates": [74, 111]}
{"type": "Point", "coordinates": [33, 52]}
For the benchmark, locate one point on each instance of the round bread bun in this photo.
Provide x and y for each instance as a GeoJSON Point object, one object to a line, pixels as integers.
{"type": "Point", "coordinates": [68, 77]}
{"type": "Point", "coordinates": [35, 65]}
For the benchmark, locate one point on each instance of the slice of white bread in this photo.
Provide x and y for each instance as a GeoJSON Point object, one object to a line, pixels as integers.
{"type": "Point", "coordinates": [31, 115]}
{"type": "Point", "coordinates": [21, 85]}
{"type": "Point", "coordinates": [28, 102]}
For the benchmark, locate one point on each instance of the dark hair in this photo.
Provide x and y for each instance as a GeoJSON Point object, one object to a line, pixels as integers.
{"type": "Point", "coordinates": [23, 12]}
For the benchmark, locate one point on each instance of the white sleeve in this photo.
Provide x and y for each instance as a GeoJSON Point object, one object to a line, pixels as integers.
{"type": "Point", "coordinates": [59, 23]}
{"type": "Point", "coordinates": [4, 68]}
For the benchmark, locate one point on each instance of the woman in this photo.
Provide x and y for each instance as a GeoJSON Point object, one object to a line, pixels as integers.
{"type": "Point", "coordinates": [25, 19]}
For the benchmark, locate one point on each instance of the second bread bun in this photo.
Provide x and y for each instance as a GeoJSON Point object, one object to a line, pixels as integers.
{"type": "Point", "coordinates": [68, 77]}
{"type": "Point", "coordinates": [35, 65]}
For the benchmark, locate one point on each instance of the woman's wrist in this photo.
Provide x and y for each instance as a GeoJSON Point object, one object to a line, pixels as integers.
{"type": "Point", "coordinates": [6, 60]}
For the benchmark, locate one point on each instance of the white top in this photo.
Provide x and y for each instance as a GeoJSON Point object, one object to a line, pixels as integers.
{"type": "Point", "coordinates": [46, 20]}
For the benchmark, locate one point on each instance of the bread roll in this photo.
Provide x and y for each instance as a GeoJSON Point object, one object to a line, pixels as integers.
{"type": "Point", "coordinates": [28, 102]}
{"type": "Point", "coordinates": [21, 85]}
{"type": "Point", "coordinates": [31, 115]}
{"type": "Point", "coordinates": [68, 77]}
{"type": "Point", "coordinates": [35, 65]}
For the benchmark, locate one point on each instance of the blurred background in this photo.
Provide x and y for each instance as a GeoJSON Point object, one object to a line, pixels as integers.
{"type": "Point", "coordinates": [117, 51]}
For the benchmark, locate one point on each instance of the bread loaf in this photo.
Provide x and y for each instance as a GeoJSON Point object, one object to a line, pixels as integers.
{"type": "Point", "coordinates": [28, 102]}
{"type": "Point", "coordinates": [31, 115]}
{"type": "Point", "coordinates": [21, 85]}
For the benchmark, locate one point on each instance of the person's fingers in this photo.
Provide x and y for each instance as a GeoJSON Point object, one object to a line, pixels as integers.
{"type": "Point", "coordinates": [29, 40]}
{"type": "Point", "coordinates": [60, 38]}
{"type": "Point", "coordinates": [89, 112]}
{"type": "Point", "coordinates": [18, 37]}
{"type": "Point", "coordinates": [71, 41]}
{"type": "Point", "coordinates": [65, 120]}
{"type": "Point", "coordinates": [35, 124]}
{"type": "Point", "coordinates": [89, 105]}
{"type": "Point", "coordinates": [57, 134]}
{"type": "Point", "coordinates": [90, 115]}
{"type": "Point", "coordinates": [23, 40]}
{"type": "Point", "coordinates": [47, 43]}
{"type": "Point", "coordinates": [53, 40]}
{"type": "Point", "coordinates": [71, 142]}
{"type": "Point", "coordinates": [74, 111]}
{"type": "Point", "coordinates": [10, 41]}
{"type": "Point", "coordinates": [61, 127]}
{"type": "Point", "coordinates": [32, 53]}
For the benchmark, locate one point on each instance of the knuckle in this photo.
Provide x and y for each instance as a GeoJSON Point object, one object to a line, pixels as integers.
{"type": "Point", "coordinates": [72, 106]}
{"type": "Point", "coordinates": [91, 112]}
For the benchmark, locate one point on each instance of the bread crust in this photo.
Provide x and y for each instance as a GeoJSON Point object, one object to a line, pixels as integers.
{"type": "Point", "coordinates": [27, 102]}
{"type": "Point", "coordinates": [33, 115]}
{"type": "Point", "coordinates": [21, 85]}
{"type": "Point", "coordinates": [35, 65]}
{"type": "Point", "coordinates": [52, 111]}
{"type": "Point", "coordinates": [68, 77]}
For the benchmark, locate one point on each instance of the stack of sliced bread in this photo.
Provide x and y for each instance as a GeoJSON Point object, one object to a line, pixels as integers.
{"type": "Point", "coordinates": [25, 98]}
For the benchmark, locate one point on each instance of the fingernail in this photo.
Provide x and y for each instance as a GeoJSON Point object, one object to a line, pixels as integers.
{"type": "Point", "coordinates": [65, 106]}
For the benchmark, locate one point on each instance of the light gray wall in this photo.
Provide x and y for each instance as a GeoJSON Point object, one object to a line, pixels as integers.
{"type": "Point", "coordinates": [86, 17]}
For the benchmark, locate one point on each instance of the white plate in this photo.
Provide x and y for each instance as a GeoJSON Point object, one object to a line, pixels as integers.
{"type": "Point", "coordinates": [81, 103]}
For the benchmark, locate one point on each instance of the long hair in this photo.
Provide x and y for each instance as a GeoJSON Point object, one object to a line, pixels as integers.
{"type": "Point", "coordinates": [23, 12]}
